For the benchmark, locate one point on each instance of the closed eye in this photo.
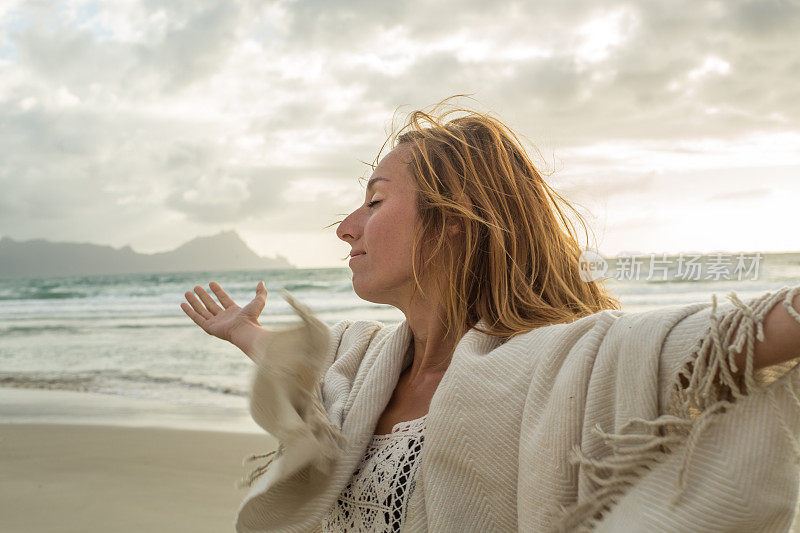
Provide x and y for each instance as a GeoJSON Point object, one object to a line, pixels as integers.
{"type": "Point", "coordinates": [372, 203]}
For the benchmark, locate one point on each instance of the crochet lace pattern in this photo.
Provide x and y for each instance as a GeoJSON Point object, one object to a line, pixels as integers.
{"type": "Point", "coordinates": [376, 499]}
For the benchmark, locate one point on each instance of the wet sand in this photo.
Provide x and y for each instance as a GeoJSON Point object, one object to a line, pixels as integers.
{"type": "Point", "coordinates": [86, 478]}
{"type": "Point", "coordinates": [88, 462]}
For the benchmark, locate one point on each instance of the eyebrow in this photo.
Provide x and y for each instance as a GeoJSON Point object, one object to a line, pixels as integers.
{"type": "Point", "coordinates": [373, 180]}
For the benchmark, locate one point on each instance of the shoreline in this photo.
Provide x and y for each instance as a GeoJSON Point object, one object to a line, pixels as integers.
{"type": "Point", "coordinates": [21, 405]}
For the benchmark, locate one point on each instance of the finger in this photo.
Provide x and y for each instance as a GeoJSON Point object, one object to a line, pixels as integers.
{"type": "Point", "coordinates": [192, 314]}
{"type": "Point", "coordinates": [224, 299]}
{"type": "Point", "coordinates": [209, 302]}
{"type": "Point", "coordinates": [197, 305]}
{"type": "Point", "coordinates": [261, 290]}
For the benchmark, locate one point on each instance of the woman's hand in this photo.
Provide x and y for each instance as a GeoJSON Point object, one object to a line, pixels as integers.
{"type": "Point", "coordinates": [237, 325]}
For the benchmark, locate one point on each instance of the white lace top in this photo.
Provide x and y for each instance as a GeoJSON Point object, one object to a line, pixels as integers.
{"type": "Point", "coordinates": [376, 499]}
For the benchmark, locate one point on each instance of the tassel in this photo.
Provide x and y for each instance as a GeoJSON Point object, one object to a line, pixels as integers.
{"type": "Point", "coordinates": [711, 382]}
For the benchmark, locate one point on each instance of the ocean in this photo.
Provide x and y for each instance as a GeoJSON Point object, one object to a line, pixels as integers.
{"type": "Point", "coordinates": [125, 336]}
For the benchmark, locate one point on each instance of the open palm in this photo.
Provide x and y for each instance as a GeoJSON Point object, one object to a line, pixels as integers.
{"type": "Point", "coordinates": [222, 321]}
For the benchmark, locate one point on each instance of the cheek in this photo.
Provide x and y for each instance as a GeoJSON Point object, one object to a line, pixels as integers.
{"type": "Point", "coordinates": [380, 228]}
{"type": "Point", "coordinates": [390, 230]}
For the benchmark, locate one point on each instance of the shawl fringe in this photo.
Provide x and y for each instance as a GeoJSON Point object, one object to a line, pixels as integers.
{"type": "Point", "coordinates": [316, 430]}
{"type": "Point", "coordinates": [713, 386]}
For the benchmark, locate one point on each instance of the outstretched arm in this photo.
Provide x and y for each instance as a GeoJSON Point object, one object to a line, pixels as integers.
{"type": "Point", "coordinates": [781, 337]}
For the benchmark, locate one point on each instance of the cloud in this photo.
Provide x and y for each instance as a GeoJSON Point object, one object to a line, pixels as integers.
{"type": "Point", "coordinates": [608, 185]}
{"type": "Point", "coordinates": [253, 114]}
{"type": "Point", "coordinates": [741, 195]}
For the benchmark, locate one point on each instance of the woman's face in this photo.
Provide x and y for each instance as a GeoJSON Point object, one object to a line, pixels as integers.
{"type": "Point", "coordinates": [383, 228]}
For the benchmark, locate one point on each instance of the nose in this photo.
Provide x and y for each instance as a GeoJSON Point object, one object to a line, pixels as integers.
{"type": "Point", "coordinates": [348, 229]}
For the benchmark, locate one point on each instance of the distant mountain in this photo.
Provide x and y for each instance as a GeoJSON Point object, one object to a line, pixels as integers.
{"type": "Point", "coordinates": [39, 257]}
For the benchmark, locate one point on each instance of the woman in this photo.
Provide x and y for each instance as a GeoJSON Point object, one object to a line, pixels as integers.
{"type": "Point", "coordinates": [541, 405]}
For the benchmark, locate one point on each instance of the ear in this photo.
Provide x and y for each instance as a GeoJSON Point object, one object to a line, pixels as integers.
{"type": "Point", "coordinates": [454, 228]}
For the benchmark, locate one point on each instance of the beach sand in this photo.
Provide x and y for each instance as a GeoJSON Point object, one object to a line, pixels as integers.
{"type": "Point", "coordinates": [90, 462]}
{"type": "Point", "coordinates": [87, 478]}
{"type": "Point", "coordinates": [120, 465]}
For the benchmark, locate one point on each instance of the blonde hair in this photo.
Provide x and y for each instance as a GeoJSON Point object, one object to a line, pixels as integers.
{"type": "Point", "coordinates": [516, 260]}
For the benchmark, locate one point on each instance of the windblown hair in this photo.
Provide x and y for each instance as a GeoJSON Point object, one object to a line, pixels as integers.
{"type": "Point", "coordinates": [516, 260]}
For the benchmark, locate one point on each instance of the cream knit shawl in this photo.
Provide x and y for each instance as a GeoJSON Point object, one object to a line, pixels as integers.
{"type": "Point", "coordinates": [570, 427]}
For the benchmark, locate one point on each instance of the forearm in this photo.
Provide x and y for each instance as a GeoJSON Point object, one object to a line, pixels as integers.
{"type": "Point", "coordinates": [250, 339]}
{"type": "Point", "coordinates": [781, 338]}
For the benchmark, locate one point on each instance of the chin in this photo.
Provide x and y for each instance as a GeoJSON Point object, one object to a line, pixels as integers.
{"type": "Point", "coordinates": [366, 295]}
{"type": "Point", "coordinates": [369, 294]}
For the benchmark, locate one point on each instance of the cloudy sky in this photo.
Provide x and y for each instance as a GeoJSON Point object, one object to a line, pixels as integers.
{"type": "Point", "coordinates": [674, 125]}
